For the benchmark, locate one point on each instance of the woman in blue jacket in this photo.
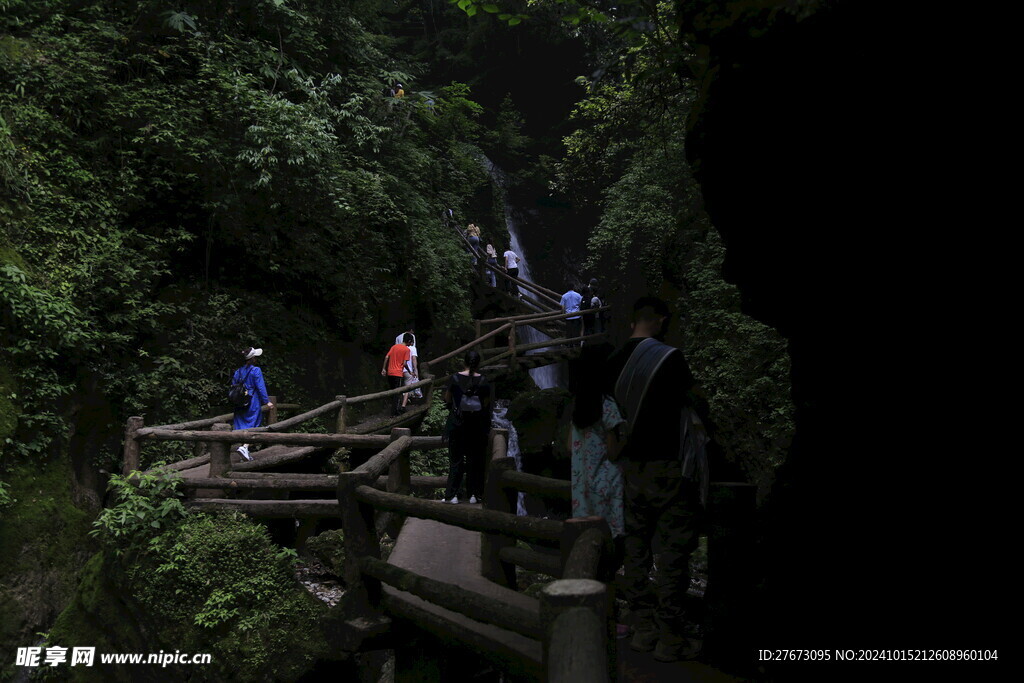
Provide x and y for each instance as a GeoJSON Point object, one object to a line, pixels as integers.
{"type": "Point", "coordinates": [252, 377]}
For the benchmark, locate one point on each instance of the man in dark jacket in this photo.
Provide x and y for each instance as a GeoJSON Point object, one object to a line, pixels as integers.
{"type": "Point", "coordinates": [653, 385]}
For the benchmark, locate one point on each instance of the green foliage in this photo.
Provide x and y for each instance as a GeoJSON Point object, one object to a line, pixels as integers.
{"type": "Point", "coordinates": [437, 415]}
{"type": "Point", "coordinates": [178, 183]}
{"type": "Point", "coordinates": [6, 499]}
{"type": "Point", "coordinates": [627, 161]}
{"type": "Point", "coordinates": [503, 11]}
{"type": "Point", "coordinates": [218, 580]}
{"type": "Point", "coordinates": [147, 503]}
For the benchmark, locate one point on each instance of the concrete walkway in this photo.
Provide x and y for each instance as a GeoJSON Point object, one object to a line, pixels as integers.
{"type": "Point", "coordinates": [452, 555]}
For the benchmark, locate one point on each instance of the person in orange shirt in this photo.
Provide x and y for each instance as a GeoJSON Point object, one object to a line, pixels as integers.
{"type": "Point", "coordinates": [394, 363]}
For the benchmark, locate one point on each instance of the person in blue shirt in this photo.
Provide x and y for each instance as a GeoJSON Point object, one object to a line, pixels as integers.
{"type": "Point", "coordinates": [571, 304]}
{"type": "Point", "coordinates": [252, 377]}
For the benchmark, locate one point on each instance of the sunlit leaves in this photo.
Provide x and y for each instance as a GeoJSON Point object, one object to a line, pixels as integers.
{"type": "Point", "coordinates": [503, 13]}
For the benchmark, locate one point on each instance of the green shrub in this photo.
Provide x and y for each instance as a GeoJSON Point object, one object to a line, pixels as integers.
{"type": "Point", "coordinates": [216, 583]}
{"type": "Point", "coordinates": [147, 503]}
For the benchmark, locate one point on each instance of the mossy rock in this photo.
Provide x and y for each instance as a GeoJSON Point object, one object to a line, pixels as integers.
{"type": "Point", "coordinates": [329, 548]}
{"type": "Point", "coordinates": [44, 542]}
{"type": "Point", "coordinates": [214, 584]}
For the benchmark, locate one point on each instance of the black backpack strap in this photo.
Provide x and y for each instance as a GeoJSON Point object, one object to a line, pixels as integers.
{"type": "Point", "coordinates": [635, 378]}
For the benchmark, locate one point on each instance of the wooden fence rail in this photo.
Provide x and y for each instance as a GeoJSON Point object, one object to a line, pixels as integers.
{"type": "Point", "coordinates": [451, 597]}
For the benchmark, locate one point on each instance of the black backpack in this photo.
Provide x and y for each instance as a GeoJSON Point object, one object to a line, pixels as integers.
{"type": "Point", "coordinates": [238, 394]}
{"type": "Point", "coordinates": [470, 401]}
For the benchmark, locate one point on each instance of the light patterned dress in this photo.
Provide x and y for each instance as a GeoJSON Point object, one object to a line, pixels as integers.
{"type": "Point", "coordinates": [596, 481]}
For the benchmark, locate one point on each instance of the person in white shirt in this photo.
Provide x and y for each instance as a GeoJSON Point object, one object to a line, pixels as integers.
{"type": "Point", "coordinates": [411, 371]}
{"type": "Point", "coordinates": [512, 268]}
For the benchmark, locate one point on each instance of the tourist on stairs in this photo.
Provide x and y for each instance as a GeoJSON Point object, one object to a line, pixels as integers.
{"type": "Point", "coordinates": [411, 371]}
{"type": "Point", "coordinates": [469, 400]}
{"type": "Point", "coordinates": [250, 376]}
{"type": "Point", "coordinates": [492, 261]}
{"type": "Point", "coordinates": [394, 363]}
{"type": "Point", "coordinates": [512, 268]}
{"type": "Point", "coordinates": [571, 301]}
{"type": "Point", "coordinates": [473, 235]}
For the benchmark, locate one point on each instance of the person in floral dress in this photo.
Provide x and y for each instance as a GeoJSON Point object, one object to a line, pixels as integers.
{"type": "Point", "coordinates": [595, 439]}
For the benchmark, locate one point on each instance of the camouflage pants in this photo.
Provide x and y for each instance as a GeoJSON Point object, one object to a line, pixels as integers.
{"type": "Point", "coordinates": [660, 505]}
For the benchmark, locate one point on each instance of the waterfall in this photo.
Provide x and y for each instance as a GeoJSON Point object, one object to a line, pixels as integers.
{"type": "Point", "coordinates": [547, 376]}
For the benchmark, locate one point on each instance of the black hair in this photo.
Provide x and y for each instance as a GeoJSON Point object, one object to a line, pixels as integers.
{"type": "Point", "coordinates": [472, 360]}
{"type": "Point", "coordinates": [407, 338]}
{"type": "Point", "coordinates": [649, 309]}
{"type": "Point", "coordinates": [588, 384]}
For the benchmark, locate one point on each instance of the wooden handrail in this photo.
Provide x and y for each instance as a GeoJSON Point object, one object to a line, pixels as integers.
{"type": "Point", "coordinates": [540, 345]}
{"type": "Point", "coordinates": [405, 388]}
{"type": "Point", "coordinates": [467, 347]}
{"type": "Point", "coordinates": [206, 422]}
{"type": "Point", "coordinates": [300, 418]}
{"type": "Point", "coordinates": [462, 516]}
{"type": "Point", "coordinates": [455, 598]}
{"type": "Point", "coordinates": [376, 465]}
{"type": "Point", "coordinates": [532, 560]}
{"type": "Point", "coordinates": [545, 487]}
{"type": "Point", "coordinates": [232, 480]}
{"type": "Point", "coordinates": [274, 438]}
{"type": "Point", "coordinates": [527, 318]}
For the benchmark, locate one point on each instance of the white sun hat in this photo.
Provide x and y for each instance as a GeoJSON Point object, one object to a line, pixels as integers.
{"type": "Point", "coordinates": [253, 353]}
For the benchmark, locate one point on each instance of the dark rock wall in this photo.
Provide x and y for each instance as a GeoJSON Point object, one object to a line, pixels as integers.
{"type": "Point", "coordinates": [809, 145]}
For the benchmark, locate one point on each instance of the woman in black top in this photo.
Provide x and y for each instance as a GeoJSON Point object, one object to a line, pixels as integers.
{"type": "Point", "coordinates": [469, 398]}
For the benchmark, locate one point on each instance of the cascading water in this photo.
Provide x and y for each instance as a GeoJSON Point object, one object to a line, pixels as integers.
{"type": "Point", "coordinates": [546, 376]}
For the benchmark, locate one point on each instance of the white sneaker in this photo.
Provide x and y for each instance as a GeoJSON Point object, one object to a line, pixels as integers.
{"type": "Point", "coordinates": [244, 452]}
{"type": "Point", "coordinates": [454, 500]}
{"type": "Point", "coordinates": [472, 500]}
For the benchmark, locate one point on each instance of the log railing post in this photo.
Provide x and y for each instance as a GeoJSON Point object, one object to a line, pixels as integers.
{"type": "Point", "coordinates": [357, 520]}
{"type": "Point", "coordinates": [220, 456]}
{"type": "Point", "coordinates": [399, 479]}
{"type": "Point", "coordinates": [272, 412]}
{"type": "Point", "coordinates": [132, 448]}
{"type": "Point", "coordinates": [572, 529]}
{"type": "Point", "coordinates": [476, 329]}
{"type": "Point", "coordinates": [341, 424]}
{"type": "Point", "coordinates": [428, 395]}
{"type": "Point", "coordinates": [198, 448]}
{"type": "Point", "coordinates": [512, 347]}
{"type": "Point", "coordinates": [574, 614]}
{"type": "Point", "coordinates": [497, 498]}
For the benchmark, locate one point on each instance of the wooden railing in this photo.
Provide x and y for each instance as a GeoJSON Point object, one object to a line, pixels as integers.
{"type": "Point", "coordinates": [375, 496]}
{"type": "Point", "coordinates": [578, 601]}
{"type": "Point", "coordinates": [542, 295]}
